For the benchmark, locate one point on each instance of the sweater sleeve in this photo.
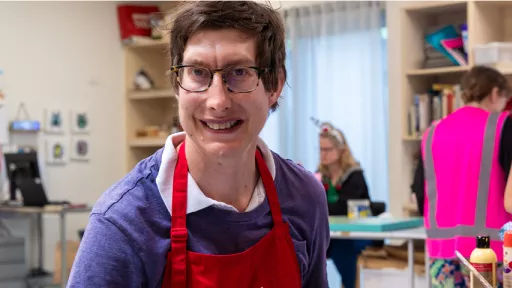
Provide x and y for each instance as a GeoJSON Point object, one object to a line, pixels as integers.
{"type": "Point", "coordinates": [316, 277]}
{"type": "Point", "coordinates": [106, 258]}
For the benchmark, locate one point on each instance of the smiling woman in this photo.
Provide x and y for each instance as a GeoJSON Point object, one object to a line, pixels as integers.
{"type": "Point", "coordinates": [215, 207]}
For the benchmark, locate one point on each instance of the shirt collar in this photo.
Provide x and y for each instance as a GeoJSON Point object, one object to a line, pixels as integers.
{"type": "Point", "coordinates": [196, 200]}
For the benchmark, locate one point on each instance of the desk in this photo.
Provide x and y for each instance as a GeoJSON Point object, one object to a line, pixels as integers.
{"type": "Point", "coordinates": [406, 234]}
{"type": "Point", "coordinates": [38, 212]}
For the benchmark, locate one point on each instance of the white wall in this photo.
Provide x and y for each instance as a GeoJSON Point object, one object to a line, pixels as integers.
{"type": "Point", "coordinates": [68, 55]}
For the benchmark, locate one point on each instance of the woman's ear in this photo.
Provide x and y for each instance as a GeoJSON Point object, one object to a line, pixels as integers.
{"type": "Point", "coordinates": [495, 95]}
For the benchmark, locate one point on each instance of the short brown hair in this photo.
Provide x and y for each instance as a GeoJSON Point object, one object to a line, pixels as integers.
{"type": "Point", "coordinates": [254, 18]}
{"type": "Point", "coordinates": [478, 83]}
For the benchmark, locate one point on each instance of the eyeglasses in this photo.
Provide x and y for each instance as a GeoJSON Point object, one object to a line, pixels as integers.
{"type": "Point", "coordinates": [240, 79]}
{"type": "Point", "coordinates": [327, 150]}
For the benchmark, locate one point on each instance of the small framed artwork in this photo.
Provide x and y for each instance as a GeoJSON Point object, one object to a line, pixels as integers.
{"type": "Point", "coordinates": [80, 122]}
{"type": "Point", "coordinates": [54, 122]}
{"type": "Point", "coordinates": [80, 149]}
{"type": "Point", "coordinates": [56, 152]}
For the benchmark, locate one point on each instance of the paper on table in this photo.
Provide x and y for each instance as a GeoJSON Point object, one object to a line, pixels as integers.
{"type": "Point", "coordinates": [473, 270]}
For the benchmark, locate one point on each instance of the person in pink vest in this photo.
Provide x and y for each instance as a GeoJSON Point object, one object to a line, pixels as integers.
{"type": "Point", "coordinates": [461, 176]}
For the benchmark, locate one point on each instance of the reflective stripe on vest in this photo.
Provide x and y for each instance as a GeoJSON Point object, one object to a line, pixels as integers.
{"type": "Point", "coordinates": [479, 227]}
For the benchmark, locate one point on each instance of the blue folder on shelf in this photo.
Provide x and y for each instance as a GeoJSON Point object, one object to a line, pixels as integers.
{"type": "Point", "coordinates": [373, 224]}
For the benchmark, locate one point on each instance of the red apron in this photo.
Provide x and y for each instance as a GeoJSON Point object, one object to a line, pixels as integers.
{"type": "Point", "coordinates": [270, 263]}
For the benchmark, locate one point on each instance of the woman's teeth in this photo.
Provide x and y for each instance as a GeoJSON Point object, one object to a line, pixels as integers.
{"type": "Point", "coordinates": [221, 126]}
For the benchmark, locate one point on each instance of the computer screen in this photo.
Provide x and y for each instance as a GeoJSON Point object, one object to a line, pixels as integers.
{"type": "Point", "coordinates": [21, 166]}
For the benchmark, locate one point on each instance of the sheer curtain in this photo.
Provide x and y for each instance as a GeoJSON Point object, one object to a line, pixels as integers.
{"type": "Point", "coordinates": [337, 72]}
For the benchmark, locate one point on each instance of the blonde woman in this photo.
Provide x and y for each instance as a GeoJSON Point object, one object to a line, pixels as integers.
{"type": "Point", "coordinates": [343, 180]}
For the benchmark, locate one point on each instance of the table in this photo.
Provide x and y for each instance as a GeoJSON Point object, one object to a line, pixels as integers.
{"type": "Point", "coordinates": [406, 234]}
{"type": "Point", "coordinates": [61, 210]}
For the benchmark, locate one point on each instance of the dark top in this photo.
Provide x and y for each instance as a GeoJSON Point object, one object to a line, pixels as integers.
{"type": "Point", "coordinates": [505, 159]}
{"type": "Point", "coordinates": [352, 188]}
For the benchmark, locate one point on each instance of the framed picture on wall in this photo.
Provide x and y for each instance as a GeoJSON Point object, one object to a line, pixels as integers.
{"type": "Point", "coordinates": [53, 121]}
{"type": "Point", "coordinates": [80, 122]}
{"type": "Point", "coordinates": [80, 149]}
{"type": "Point", "coordinates": [56, 152]}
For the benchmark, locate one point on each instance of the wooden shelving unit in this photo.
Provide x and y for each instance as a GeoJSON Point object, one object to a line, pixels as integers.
{"type": "Point", "coordinates": [487, 21]}
{"type": "Point", "coordinates": [437, 71]}
{"type": "Point", "coordinates": [155, 107]}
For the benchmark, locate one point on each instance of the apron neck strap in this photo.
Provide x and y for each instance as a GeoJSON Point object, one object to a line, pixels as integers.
{"type": "Point", "coordinates": [179, 195]}
{"type": "Point", "coordinates": [270, 188]}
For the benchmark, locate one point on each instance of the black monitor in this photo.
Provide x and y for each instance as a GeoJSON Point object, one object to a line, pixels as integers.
{"type": "Point", "coordinates": [21, 167]}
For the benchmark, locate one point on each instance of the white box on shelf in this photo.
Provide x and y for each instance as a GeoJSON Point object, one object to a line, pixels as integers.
{"type": "Point", "coordinates": [492, 53]}
{"type": "Point", "coordinates": [392, 277]}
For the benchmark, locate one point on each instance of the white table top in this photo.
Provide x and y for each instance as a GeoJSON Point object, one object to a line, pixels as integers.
{"type": "Point", "coordinates": [55, 209]}
{"type": "Point", "coordinates": [414, 233]}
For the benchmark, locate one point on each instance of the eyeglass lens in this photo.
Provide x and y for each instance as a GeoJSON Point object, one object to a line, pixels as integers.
{"type": "Point", "coordinates": [237, 79]}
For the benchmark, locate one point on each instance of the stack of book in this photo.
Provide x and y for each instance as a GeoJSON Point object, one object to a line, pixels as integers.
{"type": "Point", "coordinates": [431, 106]}
{"type": "Point", "coordinates": [434, 57]}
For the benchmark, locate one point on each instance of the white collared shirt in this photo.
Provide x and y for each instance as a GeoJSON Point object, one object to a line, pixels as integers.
{"type": "Point", "coordinates": [196, 200]}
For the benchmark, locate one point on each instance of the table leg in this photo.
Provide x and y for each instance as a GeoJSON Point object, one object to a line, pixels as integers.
{"type": "Point", "coordinates": [63, 250]}
{"type": "Point", "coordinates": [410, 261]}
{"type": "Point", "coordinates": [32, 242]}
{"type": "Point", "coordinates": [427, 268]}
{"type": "Point", "coordinates": [39, 224]}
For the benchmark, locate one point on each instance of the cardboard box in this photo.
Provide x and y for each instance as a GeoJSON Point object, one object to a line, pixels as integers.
{"type": "Point", "coordinates": [71, 250]}
{"type": "Point", "coordinates": [389, 265]}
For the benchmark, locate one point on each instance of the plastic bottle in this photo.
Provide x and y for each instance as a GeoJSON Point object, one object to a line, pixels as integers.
{"type": "Point", "coordinates": [484, 260]}
{"type": "Point", "coordinates": [507, 259]}
{"type": "Point", "coordinates": [464, 32]}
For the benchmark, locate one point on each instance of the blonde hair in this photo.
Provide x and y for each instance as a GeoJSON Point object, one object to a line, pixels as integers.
{"type": "Point", "coordinates": [346, 160]}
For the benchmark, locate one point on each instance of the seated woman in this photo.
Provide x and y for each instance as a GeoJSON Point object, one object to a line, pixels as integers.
{"type": "Point", "coordinates": [343, 180]}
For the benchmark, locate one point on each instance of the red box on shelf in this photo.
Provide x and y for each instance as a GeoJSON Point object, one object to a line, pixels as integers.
{"type": "Point", "coordinates": [134, 20]}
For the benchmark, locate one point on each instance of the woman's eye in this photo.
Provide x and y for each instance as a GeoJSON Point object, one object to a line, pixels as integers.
{"type": "Point", "coordinates": [197, 72]}
{"type": "Point", "coordinates": [239, 72]}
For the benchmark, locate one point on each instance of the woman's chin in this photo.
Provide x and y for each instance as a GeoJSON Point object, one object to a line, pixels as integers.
{"type": "Point", "coordinates": [223, 149]}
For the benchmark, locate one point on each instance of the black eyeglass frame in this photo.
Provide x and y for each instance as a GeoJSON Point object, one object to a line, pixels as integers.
{"type": "Point", "coordinates": [222, 71]}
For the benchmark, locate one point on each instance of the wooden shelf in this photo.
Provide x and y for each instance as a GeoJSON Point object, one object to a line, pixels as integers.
{"type": "Point", "coordinates": [410, 210]}
{"type": "Point", "coordinates": [503, 4]}
{"type": "Point", "coordinates": [437, 71]}
{"type": "Point", "coordinates": [147, 142]}
{"type": "Point", "coordinates": [411, 138]}
{"type": "Point", "coordinates": [487, 22]}
{"type": "Point", "coordinates": [151, 94]}
{"type": "Point", "coordinates": [148, 44]}
{"type": "Point", "coordinates": [151, 108]}
{"type": "Point", "coordinates": [437, 6]}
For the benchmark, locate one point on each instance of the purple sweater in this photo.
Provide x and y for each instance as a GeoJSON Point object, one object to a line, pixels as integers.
{"type": "Point", "coordinates": [127, 238]}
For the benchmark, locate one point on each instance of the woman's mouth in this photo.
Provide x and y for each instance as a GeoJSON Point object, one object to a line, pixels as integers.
{"type": "Point", "coordinates": [219, 126]}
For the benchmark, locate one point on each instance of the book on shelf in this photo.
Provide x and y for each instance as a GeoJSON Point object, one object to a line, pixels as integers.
{"type": "Point", "coordinates": [444, 46]}
{"type": "Point", "coordinates": [439, 102]}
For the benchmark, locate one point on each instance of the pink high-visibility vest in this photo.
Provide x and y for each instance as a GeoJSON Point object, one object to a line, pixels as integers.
{"type": "Point", "coordinates": [464, 182]}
